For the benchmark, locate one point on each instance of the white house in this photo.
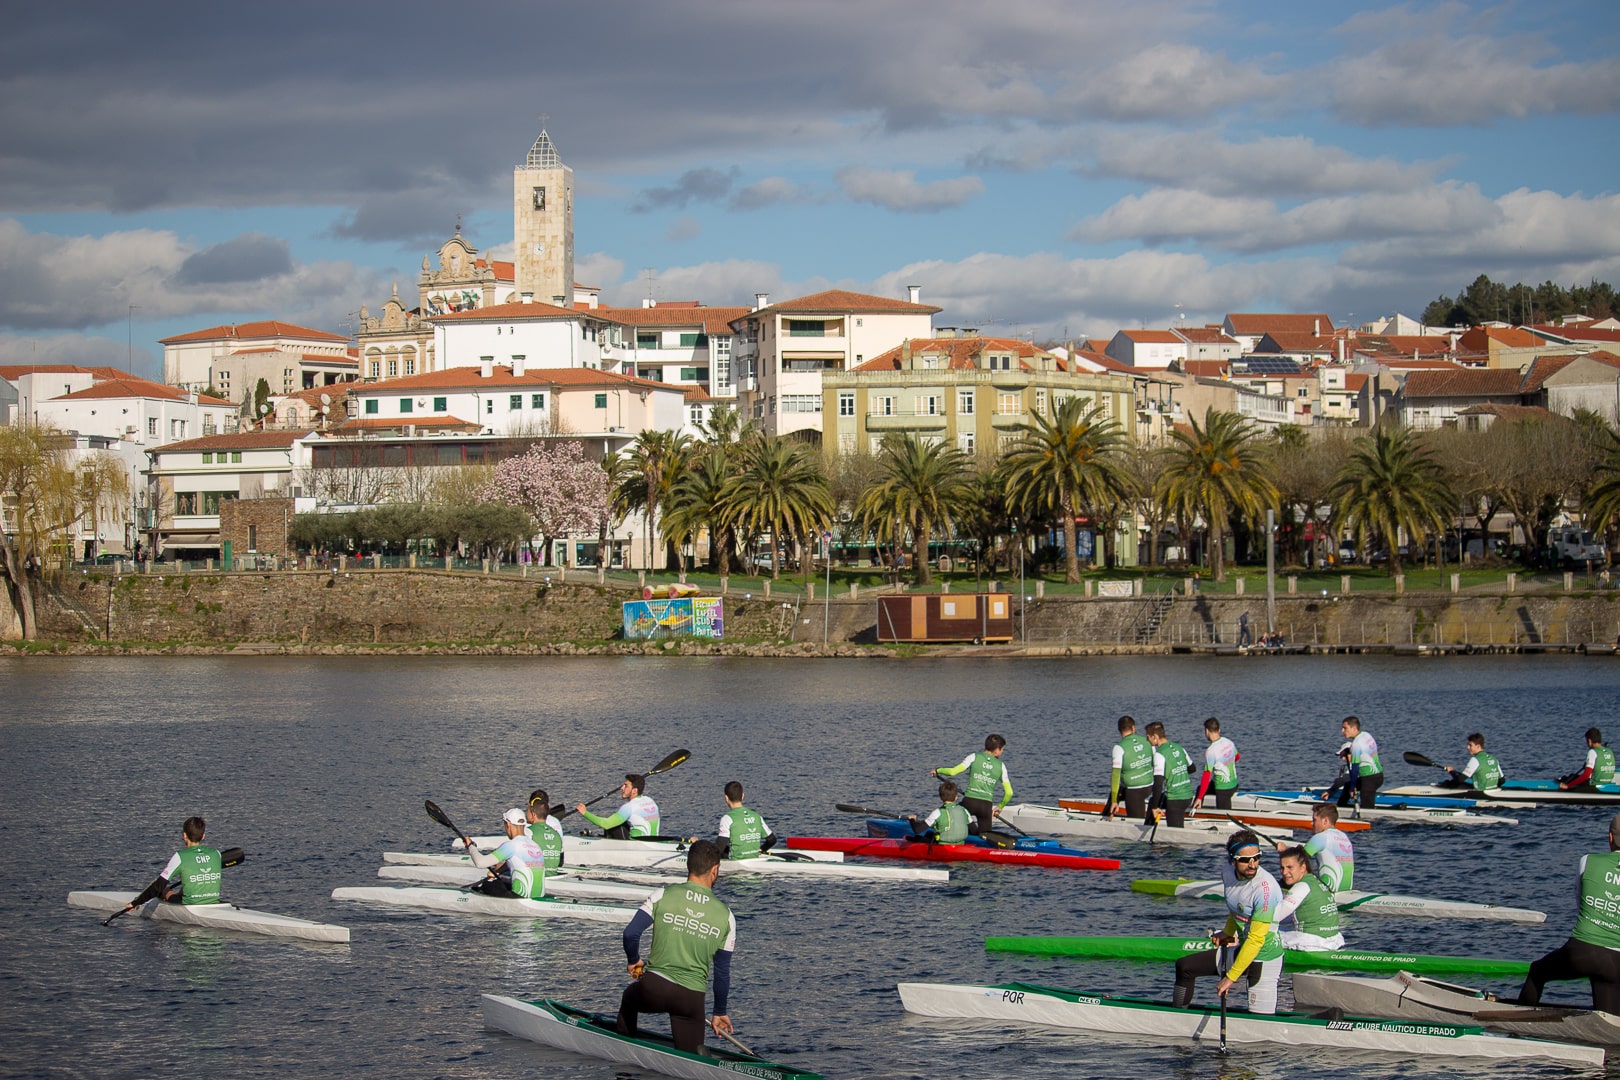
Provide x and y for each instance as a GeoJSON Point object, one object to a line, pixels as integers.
{"type": "Point", "coordinates": [188, 480]}
{"type": "Point", "coordinates": [1155, 349]}
{"type": "Point", "coordinates": [240, 354]}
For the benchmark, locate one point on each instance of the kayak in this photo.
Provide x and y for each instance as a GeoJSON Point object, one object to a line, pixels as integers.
{"type": "Point", "coordinates": [1272, 820]}
{"type": "Point", "coordinates": [1406, 996]}
{"type": "Point", "coordinates": [1356, 900]}
{"type": "Point", "coordinates": [551, 1023]}
{"type": "Point", "coordinates": [772, 865]}
{"type": "Point", "coordinates": [1060, 822]}
{"type": "Point", "coordinates": [1028, 1003]}
{"type": "Point", "coordinates": [1157, 949]}
{"type": "Point", "coordinates": [215, 916]}
{"type": "Point", "coordinates": [438, 898]}
{"type": "Point", "coordinates": [653, 851]}
{"type": "Point", "coordinates": [556, 885]}
{"type": "Point", "coordinates": [900, 829]}
{"type": "Point", "coordinates": [1525, 793]}
{"type": "Point", "coordinates": [891, 848]}
{"type": "Point", "coordinates": [1395, 813]}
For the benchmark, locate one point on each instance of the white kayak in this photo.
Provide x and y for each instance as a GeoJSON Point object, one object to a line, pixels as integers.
{"type": "Point", "coordinates": [771, 864]}
{"type": "Point", "coordinates": [573, 888]}
{"type": "Point", "coordinates": [1355, 900]}
{"type": "Point", "coordinates": [1411, 997]}
{"type": "Point", "coordinates": [439, 898]}
{"type": "Point", "coordinates": [1056, 821]}
{"type": "Point", "coordinates": [668, 852]}
{"type": "Point", "coordinates": [216, 916]}
{"type": "Point", "coordinates": [1022, 1003]}
{"type": "Point", "coordinates": [1394, 815]}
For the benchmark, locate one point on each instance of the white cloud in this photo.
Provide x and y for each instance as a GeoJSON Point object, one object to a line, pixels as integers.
{"type": "Point", "coordinates": [771, 191]}
{"type": "Point", "coordinates": [1278, 165]}
{"type": "Point", "coordinates": [1169, 82]}
{"type": "Point", "coordinates": [1171, 214]}
{"type": "Point", "coordinates": [1530, 230]}
{"type": "Point", "coordinates": [727, 282]}
{"type": "Point", "coordinates": [899, 189]}
{"type": "Point", "coordinates": [599, 269]}
{"type": "Point", "coordinates": [86, 350]}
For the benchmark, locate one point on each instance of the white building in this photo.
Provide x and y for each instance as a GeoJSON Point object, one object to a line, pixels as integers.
{"type": "Point", "coordinates": [232, 359]}
{"type": "Point", "coordinates": [188, 480]}
{"type": "Point", "coordinates": [1147, 349]}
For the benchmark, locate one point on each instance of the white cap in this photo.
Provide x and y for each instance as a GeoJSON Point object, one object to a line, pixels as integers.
{"type": "Point", "coordinates": [515, 816]}
{"type": "Point", "coordinates": [1345, 749]}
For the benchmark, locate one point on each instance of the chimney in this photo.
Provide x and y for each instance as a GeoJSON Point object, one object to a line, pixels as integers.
{"type": "Point", "coordinates": [648, 302]}
{"type": "Point", "coordinates": [914, 293]}
{"type": "Point", "coordinates": [905, 355]}
{"type": "Point", "coordinates": [559, 301]}
{"type": "Point", "coordinates": [1316, 327]}
{"type": "Point", "coordinates": [761, 299]}
{"type": "Point", "coordinates": [528, 298]}
{"type": "Point", "coordinates": [518, 363]}
{"type": "Point", "coordinates": [486, 367]}
{"type": "Point", "coordinates": [1341, 350]}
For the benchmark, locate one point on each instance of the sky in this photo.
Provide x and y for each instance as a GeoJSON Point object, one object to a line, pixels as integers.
{"type": "Point", "coordinates": [1052, 169]}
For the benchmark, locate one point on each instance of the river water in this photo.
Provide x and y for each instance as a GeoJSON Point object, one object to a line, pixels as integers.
{"type": "Point", "coordinates": [316, 766]}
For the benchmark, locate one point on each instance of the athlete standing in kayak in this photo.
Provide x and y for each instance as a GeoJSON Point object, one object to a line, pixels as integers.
{"type": "Point", "coordinates": [636, 817]}
{"type": "Point", "coordinates": [1252, 898]}
{"type": "Point", "coordinates": [693, 933]}
{"type": "Point", "coordinates": [1482, 773]}
{"type": "Point", "coordinates": [1330, 847]}
{"type": "Point", "coordinates": [545, 830]}
{"type": "Point", "coordinates": [517, 867]}
{"type": "Point", "coordinates": [1599, 764]}
{"type": "Point", "coordinates": [1593, 949]}
{"type": "Point", "coordinates": [743, 833]}
{"type": "Point", "coordinates": [1132, 773]}
{"type": "Point", "coordinates": [1220, 767]}
{"type": "Point", "coordinates": [984, 770]}
{"type": "Point", "coordinates": [1363, 759]}
{"type": "Point", "coordinates": [1308, 914]}
{"type": "Point", "coordinates": [1172, 779]}
{"type": "Point", "coordinates": [946, 825]}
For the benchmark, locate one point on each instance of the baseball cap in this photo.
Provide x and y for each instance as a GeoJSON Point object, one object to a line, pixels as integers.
{"type": "Point", "coordinates": [515, 816]}
{"type": "Point", "coordinates": [1345, 749]}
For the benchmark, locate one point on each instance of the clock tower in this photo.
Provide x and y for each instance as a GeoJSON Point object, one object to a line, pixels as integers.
{"type": "Point", "coordinates": [543, 225]}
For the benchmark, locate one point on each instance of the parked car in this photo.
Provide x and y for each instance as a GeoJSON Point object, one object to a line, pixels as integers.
{"type": "Point", "coordinates": [1571, 545]}
{"type": "Point", "coordinates": [1347, 551]}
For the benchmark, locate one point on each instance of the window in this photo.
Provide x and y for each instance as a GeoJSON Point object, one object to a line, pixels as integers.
{"type": "Point", "coordinates": [846, 403]}
{"type": "Point", "coordinates": [928, 405]}
{"type": "Point", "coordinates": [964, 402]}
{"type": "Point", "coordinates": [514, 402]}
{"type": "Point", "coordinates": [694, 340]}
{"type": "Point", "coordinates": [376, 369]}
{"type": "Point", "coordinates": [1040, 402]}
{"type": "Point", "coordinates": [695, 415]}
{"type": "Point", "coordinates": [441, 404]}
{"type": "Point", "coordinates": [393, 367]}
{"type": "Point", "coordinates": [537, 401]}
{"type": "Point", "coordinates": [930, 362]}
{"type": "Point", "coordinates": [646, 341]}
{"type": "Point", "coordinates": [151, 425]}
{"type": "Point", "coordinates": [694, 374]}
{"type": "Point", "coordinates": [405, 405]}
{"type": "Point", "coordinates": [805, 328]}
{"type": "Point", "coordinates": [883, 406]}
{"type": "Point", "coordinates": [253, 538]}
{"type": "Point", "coordinates": [489, 407]}
{"type": "Point", "coordinates": [371, 406]}
{"type": "Point", "coordinates": [601, 401]}
{"type": "Point", "coordinates": [722, 361]}
{"type": "Point", "coordinates": [208, 457]}
{"type": "Point", "coordinates": [1304, 391]}
{"type": "Point", "coordinates": [410, 365]}
{"type": "Point", "coordinates": [177, 429]}
{"type": "Point", "coordinates": [1007, 404]}
{"type": "Point", "coordinates": [801, 403]}
{"type": "Point", "coordinates": [236, 457]}
{"type": "Point", "coordinates": [965, 441]}
{"type": "Point", "coordinates": [539, 198]}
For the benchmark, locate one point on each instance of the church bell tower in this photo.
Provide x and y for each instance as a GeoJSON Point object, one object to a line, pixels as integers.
{"type": "Point", "coordinates": [543, 225]}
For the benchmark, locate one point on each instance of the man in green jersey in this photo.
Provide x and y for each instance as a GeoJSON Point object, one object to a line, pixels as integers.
{"type": "Point", "coordinates": [743, 833]}
{"type": "Point", "coordinates": [1308, 916]}
{"type": "Point", "coordinates": [1599, 767]}
{"type": "Point", "coordinates": [1132, 772]}
{"type": "Point", "coordinates": [192, 874]}
{"type": "Point", "coordinates": [1482, 773]}
{"type": "Point", "coordinates": [693, 933]}
{"type": "Point", "coordinates": [985, 769]}
{"type": "Point", "coordinates": [1593, 949]}
{"type": "Point", "coordinates": [1172, 779]}
{"type": "Point", "coordinates": [946, 825]}
{"type": "Point", "coordinates": [545, 830]}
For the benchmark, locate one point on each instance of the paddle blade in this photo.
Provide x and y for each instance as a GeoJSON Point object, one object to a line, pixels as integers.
{"type": "Point", "coordinates": [1155, 886]}
{"type": "Point", "coordinates": [851, 808]}
{"type": "Point", "coordinates": [1412, 757]}
{"type": "Point", "coordinates": [232, 856]}
{"type": "Point", "coordinates": [675, 758]}
{"type": "Point", "coordinates": [440, 816]}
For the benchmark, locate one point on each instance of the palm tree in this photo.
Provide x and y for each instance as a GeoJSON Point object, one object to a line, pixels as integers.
{"type": "Point", "coordinates": [1603, 497]}
{"type": "Point", "coordinates": [697, 503]}
{"type": "Point", "coordinates": [923, 484]}
{"type": "Point", "coordinates": [655, 459]}
{"type": "Point", "coordinates": [1390, 482]}
{"type": "Point", "coordinates": [1063, 463]}
{"type": "Point", "coordinates": [778, 487]}
{"type": "Point", "coordinates": [1215, 470]}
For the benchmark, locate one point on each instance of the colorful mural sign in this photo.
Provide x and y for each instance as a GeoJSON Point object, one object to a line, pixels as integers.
{"type": "Point", "coordinates": [688, 616]}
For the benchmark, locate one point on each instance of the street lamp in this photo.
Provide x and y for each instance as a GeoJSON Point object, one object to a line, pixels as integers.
{"type": "Point", "coordinates": [1023, 638]}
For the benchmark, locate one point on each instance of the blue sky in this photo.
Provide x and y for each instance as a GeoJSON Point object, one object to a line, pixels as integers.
{"type": "Point", "coordinates": [1042, 167]}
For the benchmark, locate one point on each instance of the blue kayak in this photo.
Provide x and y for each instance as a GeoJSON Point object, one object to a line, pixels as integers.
{"type": "Point", "coordinates": [901, 828]}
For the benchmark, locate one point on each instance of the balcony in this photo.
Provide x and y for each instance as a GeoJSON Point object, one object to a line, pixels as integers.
{"type": "Point", "coordinates": [1008, 421]}
{"type": "Point", "coordinates": [904, 422]}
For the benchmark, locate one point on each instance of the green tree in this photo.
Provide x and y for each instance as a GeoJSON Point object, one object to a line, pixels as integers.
{"type": "Point", "coordinates": [778, 488]}
{"type": "Point", "coordinates": [1216, 469]}
{"type": "Point", "coordinates": [923, 484]}
{"type": "Point", "coordinates": [652, 465]}
{"type": "Point", "coordinates": [697, 504]}
{"type": "Point", "coordinates": [1064, 462]}
{"type": "Point", "coordinates": [1389, 483]}
{"type": "Point", "coordinates": [1602, 502]}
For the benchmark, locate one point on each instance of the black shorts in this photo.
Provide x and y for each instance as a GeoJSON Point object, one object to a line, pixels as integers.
{"type": "Point", "coordinates": [654, 993]}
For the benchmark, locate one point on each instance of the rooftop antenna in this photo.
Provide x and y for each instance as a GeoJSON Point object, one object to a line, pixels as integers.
{"type": "Point", "coordinates": [651, 273]}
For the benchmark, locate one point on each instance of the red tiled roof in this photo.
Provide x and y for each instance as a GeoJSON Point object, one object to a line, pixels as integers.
{"type": "Point", "coordinates": [268, 328]}
{"type": "Point", "coordinates": [960, 353]}
{"type": "Point", "coordinates": [470, 378]}
{"type": "Point", "coordinates": [1540, 369]}
{"type": "Point", "coordinates": [1095, 345]}
{"type": "Point", "coordinates": [240, 440]}
{"type": "Point", "coordinates": [1463, 382]}
{"type": "Point", "coordinates": [504, 271]}
{"type": "Point", "coordinates": [1250, 323]}
{"type": "Point", "coordinates": [1205, 335]}
{"type": "Point", "coordinates": [1402, 344]}
{"type": "Point", "coordinates": [1355, 383]}
{"type": "Point", "coordinates": [1510, 413]}
{"type": "Point", "coordinates": [1153, 337]}
{"type": "Point", "coordinates": [697, 394]}
{"type": "Point", "coordinates": [130, 386]}
{"type": "Point", "coordinates": [1575, 332]}
{"type": "Point", "coordinates": [714, 320]}
{"type": "Point", "coordinates": [1209, 369]}
{"type": "Point", "coordinates": [508, 312]}
{"type": "Point", "coordinates": [13, 372]}
{"type": "Point", "coordinates": [1480, 337]}
{"type": "Point", "coordinates": [1407, 363]}
{"type": "Point", "coordinates": [841, 301]}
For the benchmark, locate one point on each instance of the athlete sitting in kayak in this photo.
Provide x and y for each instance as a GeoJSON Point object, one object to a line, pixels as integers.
{"type": "Point", "coordinates": [946, 825]}
{"type": "Point", "coordinates": [517, 867]}
{"type": "Point", "coordinates": [1252, 897]}
{"type": "Point", "coordinates": [192, 874]}
{"type": "Point", "coordinates": [1593, 949]}
{"type": "Point", "coordinates": [693, 933]}
{"type": "Point", "coordinates": [1220, 767]}
{"type": "Point", "coordinates": [1330, 847]}
{"type": "Point", "coordinates": [984, 770]}
{"type": "Point", "coordinates": [743, 833]}
{"type": "Point", "coordinates": [1308, 915]}
{"type": "Point", "coordinates": [544, 829]}
{"type": "Point", "coordinates": [636, 817]}
{"type": "Point", "coordinates": [1172, 779]}
{"type": "Point", "coordinates": [1599, 764]}
{"type": "Point", "coordinates": [1132, 773]}
{"type": "Point", "coordinates": [1345, 778]}
{"type": "Point", "coordinates": [1364, 758]}
{"type": "Point", "coordinates": [1482, 773]}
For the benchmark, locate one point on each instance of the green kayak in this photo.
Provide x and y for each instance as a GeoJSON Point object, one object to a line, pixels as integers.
{"type": "Point", "coordinates": [1158, 949]}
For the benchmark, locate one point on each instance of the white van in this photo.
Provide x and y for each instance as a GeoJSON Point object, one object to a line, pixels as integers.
{"type": "Point", "coordinates": [1573, 545]}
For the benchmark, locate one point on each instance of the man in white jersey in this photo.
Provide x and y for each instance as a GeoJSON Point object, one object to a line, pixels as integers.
{"type": "Point", "coordinates": [1330, 847]}
{"type": "Point", "coordinates": [517, 867]}
{"type": "Point", "coordinates": [636, 817]}
{"type": "Point", "coordinates": [1220, 768]}
{"type": "Point", "coordinates": [1369, 771]}
{"type": "Point", "coordinates": [1252, 897]}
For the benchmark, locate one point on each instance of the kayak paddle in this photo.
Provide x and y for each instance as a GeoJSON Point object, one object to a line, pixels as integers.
{"type": "Point", "coordinates": [1272, 840]}
{"type": "Point", "coordinates": [851, 808]}
{"type": "Point", "coordinates": [442, 818]}
{"type": "Point", "coordinates": [1412, 757]}
{"type": "Point", "coordinates": [229, 857]}
{"type": "Point", "coordinates": [671, 760]}
{"type": "Point", "coordinates": [733, 1041]}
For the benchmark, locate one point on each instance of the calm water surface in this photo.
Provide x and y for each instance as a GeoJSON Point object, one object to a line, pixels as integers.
{"type": "Point", "coordinates": [316, 766]}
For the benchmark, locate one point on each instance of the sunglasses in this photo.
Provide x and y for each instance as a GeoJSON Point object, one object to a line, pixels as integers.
{"type": "Point", "coordinates": [1245, 858]}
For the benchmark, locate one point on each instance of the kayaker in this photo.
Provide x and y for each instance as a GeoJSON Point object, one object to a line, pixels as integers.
{"type": "Point", "coordinates": [1330, 847]}
{"type": "Point", "coordinates": [192, 874]}
{"type": "Point", "coordinates": [637, 816]}
{"type": "Point", "coordinates": [984, 769]}
{"type": "Point", "coordinates": [743, 833]}
{"type": "Point", "coordinates": [544, 829]}
{"type": "Point", "coordinates": [693, 933]}
{"type": "Point", "coordinates": [1308, 915]}
{"type": "Point", "coordinates": [1252, 897]}
{"type": "Point", "coordinates": [1482, 773]}
{"type": "Point", "coordinates": [1599, 764]}
{"type": "Point", "coordinates": [517, 867]}
{"type": "Point", "coordinates": [1132, 774]}
{"type": "Point", "coordinates": [1346, 778]}
{"type": "Point", "coordinates": [1364, 759]}
{"type": "Point", "coordinates": [946, 825]}
{"type": "Point", "coordinates": [1593, 949]}
{"type": "Point", "coordinates": [1220, 767]}
{"type": "Point", "coordinates": [1172, 779]}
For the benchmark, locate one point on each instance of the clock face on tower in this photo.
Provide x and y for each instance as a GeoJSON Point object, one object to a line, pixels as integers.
{"type": "Point", "coordinates": [539, 198]}
{"type": "Point", "coordinates": [539, 249]}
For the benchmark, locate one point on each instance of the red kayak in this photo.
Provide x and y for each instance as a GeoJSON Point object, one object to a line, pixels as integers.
{"type": "Point", "coordinates": [923, 850]}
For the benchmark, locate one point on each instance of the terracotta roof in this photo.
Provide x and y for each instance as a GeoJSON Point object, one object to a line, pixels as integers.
{"type": "Point", "coordinates": [508, 312]}
{"type": "Point", "coordinates": [130, 386]}
{"type": "Point", "coordinates": [1406, 363]}
{"type": "Point", "coordinates": [714, 320]}
{"type": "Point", "coordinates": [504, 271]}
{"type": "Point", "coordinates": [240, 440]}
{"type": "Point", "coordinates": [697, 394]}
{"type": "Point", "coordinates": [1095, 345]}
{"type": "Point", "coordinates": [1209, 369]}
{"type": "Point", "coordinates": [1205, 335]}
{"type": "Point", "coordinates": [1463, 382]}
{"type": "Point", "coordinates": [1355, 383]}
{"type": "Point", "coordinates": [841, 301]}
{"type": "Point", "coordinates": [268, 328]}
{"type": "Point", "coordinates": [1249, 323]}
{"type": "Point", "coordinates": [1574, 332]}
{"type": "Point", "coordinates": [960, 353]}
{"type": "Point", "coordinates": [470, 378]}
{"type": "Point", "coordinates": [1104, 362]}
{"type": "Point", "coordinates": [1480, 337]}
{"type": "Point", "coordinates": [1153, 337]}
{"type": "Point", "coordinates": [1510, 413]}
{"type": "Point", "coordinates": [1603, 356]}
{"type": "Point", "coordinates": [13, 372]}
{"type": "Point", "coordinates": [1402, 344]}
{"type": "Point", "coordinates": [1540, 369]}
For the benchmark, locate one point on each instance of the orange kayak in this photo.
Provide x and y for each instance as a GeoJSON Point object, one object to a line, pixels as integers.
{"type": "Point", "coordinates": [1247, 817]}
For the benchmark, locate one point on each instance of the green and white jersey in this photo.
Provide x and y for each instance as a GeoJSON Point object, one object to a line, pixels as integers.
{"type": "Point", "coordinates": [1598, 922]}
{"type": "Point", "coordinates": [1364, 754]}
{"type": "Point", "coordinates": [1482, 772]}
{"type": "Point", "coordinates": [745, 830]}
{"type": "Point", "coordinates": [1600, 759]}
{"type": "Point", "coordinates": [689, 926]}
{"type": "Point", "coordinates": [1171, 762]}
{"type": "Point", "coordinates": [547, 836]}
{"type": "Point", "coordinates": [1220, 761]}
{"type": "Point", "coordinates": [950, 824]}
{"type": "Point", "coordinates": [1133, 757]}
{"type": "Point", "coordinates": [985, 770]}
{"type": "Point", "coordinates": [1310, 907]}
{"type": "Point", "coordinates": [200, 869]}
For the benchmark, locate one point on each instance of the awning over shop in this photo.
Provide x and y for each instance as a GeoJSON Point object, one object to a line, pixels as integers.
{"type": "Point", "coordinates": [175, 541]}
